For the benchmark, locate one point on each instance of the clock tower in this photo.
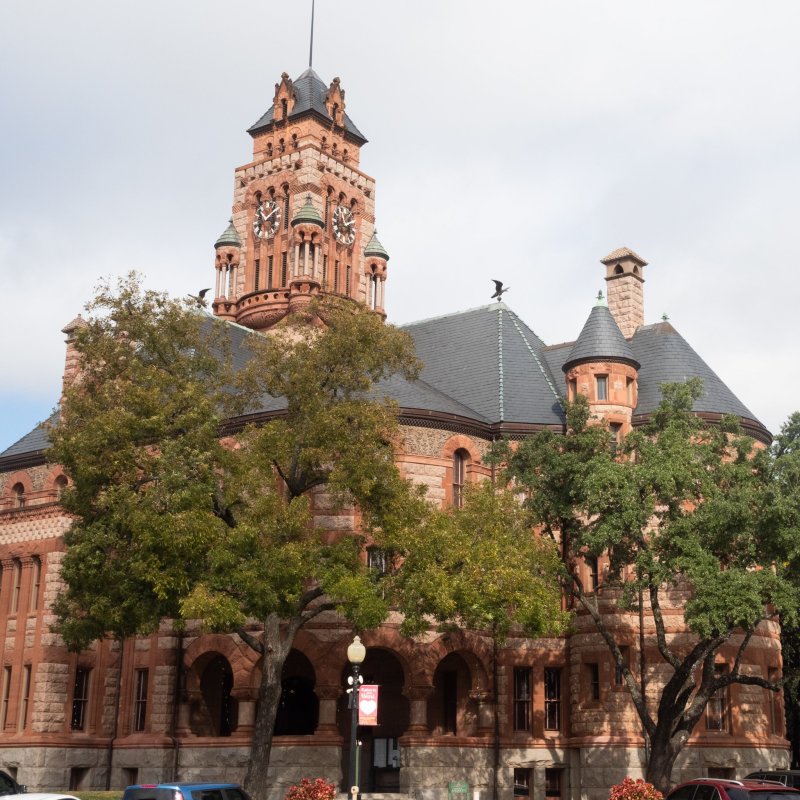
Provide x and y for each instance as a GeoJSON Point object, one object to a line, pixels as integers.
{"type": "Point", "coordinates": [303, 220]}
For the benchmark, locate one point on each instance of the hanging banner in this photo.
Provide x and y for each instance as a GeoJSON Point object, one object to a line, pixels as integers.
{"type": "Point", "coordinates": [368, 704]}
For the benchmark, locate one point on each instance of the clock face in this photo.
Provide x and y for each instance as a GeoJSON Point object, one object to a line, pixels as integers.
{"type": "Point", "coordinates": [267, 220]}
{"type": "Point", "coordinates": [344, 225]}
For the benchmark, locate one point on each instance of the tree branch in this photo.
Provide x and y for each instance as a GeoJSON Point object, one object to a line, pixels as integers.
{"type": "Point", "coordinates": [251, 641]}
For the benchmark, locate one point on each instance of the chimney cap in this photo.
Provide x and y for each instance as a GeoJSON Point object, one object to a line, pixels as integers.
{"type": "Point", "coordinates": [622, 253]}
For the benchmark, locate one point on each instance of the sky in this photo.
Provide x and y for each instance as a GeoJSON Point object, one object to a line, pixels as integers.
{"type": "Point", "coordinates": [521, 141]}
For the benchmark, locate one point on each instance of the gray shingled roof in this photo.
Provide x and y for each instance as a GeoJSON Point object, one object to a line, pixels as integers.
{"type": "Point", "coordinates": [600, 340]}
{"type": "Point", "coordinates": [490, 360]}
{"type": "Point", "coordinates": [667, 357]}
{"type": "Point", "coordinates": [309, 92]}
{"type": "Point", "coordinates": [487, 365]}
{"type": "Point", "coordinates": [31, 442]}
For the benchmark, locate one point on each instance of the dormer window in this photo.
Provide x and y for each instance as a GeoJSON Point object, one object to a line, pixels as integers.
{"type": "Point", "coordinates": [602, 387]}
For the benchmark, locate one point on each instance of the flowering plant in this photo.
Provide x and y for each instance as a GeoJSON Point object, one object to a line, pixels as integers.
{"type": "Point", "coordinates": [638, 789]}
{"type": "Point", "coordinates": [320, 789]}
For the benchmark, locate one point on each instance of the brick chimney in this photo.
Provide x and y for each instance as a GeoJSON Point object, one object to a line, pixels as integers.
{"type": "Point", "coordinates": [625, 276]}
{"type": "Point", "coordinates": [72, 364]}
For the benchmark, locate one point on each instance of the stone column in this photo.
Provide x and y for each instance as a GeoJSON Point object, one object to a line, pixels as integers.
{"type": "Point", "coordinates": [246, 699]}
{"type": "Point", "coordinates": [184, 726]}
{"type": "Point", "coordinates": [483, 697]}
{"type": "Point", "coordinates": [328, 697]}
{"type": "Point", "coordinates": [418, 697]}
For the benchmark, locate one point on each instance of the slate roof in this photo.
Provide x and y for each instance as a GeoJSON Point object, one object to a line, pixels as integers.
{"type": "Point", "coordinates": [667, 357]}
{"type": "Point", "coordinates": [600, 340]}
{"type": "Point", "coordinates": [486, 366]}
{"type": "Point", "coordinates": [33, 442]}
{"type": "Point", "coordinates": [491, 361]}
{"type": "Point", "coordinates": [309, 91]}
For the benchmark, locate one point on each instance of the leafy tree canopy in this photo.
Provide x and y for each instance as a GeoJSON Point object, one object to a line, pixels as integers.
{"type": "Point", "coordinates": [180, 512]}
{"type": "Point", "coordinates": [679, 506]}
{"type": "Point", "coordinates": [482, 567]}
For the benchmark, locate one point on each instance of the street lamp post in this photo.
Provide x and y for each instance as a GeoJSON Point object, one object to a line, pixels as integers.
{"type": "Point", "coordinates": [355, 655]}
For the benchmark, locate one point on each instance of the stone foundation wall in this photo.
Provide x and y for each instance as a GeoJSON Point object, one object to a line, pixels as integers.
{"type": "Point", "coordinates": [588, 772]}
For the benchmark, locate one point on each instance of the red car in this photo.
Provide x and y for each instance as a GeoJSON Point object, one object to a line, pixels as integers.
{"type": "Point", "coordinates": [723, 789]}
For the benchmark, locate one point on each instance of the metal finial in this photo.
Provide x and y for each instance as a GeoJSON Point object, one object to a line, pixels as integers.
{"type": "Point", "coordinates": [599, 295]}
{"type": "Point", "coordinates": [311, 45]}
{"type": "Point", "coordinates": [664, 317]}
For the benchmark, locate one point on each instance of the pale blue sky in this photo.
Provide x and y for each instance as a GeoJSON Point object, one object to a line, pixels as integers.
{"type": "Point", "coordinates": [513, 140]}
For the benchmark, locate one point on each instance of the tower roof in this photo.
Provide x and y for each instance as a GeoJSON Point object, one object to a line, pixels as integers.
{"type": "Point", "coordinates": [309, 93]}
{"type": "Point", "coordinates": [229, 237]}
{"type": "Point", "coordinates": [600, 340]}
{"type": "Point", "coordinates": [623, 252]}
{"type": "Point", "coordinates": [308, 213]}
{"type": "Point", "coordinates": [375, 249]}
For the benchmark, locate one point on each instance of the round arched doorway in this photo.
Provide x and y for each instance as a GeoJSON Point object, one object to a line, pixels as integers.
{"type": "Point", "coordinates": [221, 709]}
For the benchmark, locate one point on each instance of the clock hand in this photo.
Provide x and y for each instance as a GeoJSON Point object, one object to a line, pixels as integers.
{"type": "Point", "coordinates": [274, 210]}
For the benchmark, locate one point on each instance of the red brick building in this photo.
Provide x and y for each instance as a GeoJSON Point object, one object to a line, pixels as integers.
{"type": "Point", "coordinates": [182, 706]}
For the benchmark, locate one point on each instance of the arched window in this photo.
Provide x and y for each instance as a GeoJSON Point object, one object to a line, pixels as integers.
{"type": "Point", "coordinates": [60, 484]}
{"type": "Point", "coordinates": [36, 582]}
{"type": "Point", "coordinates": [18, 495]}
{"type": "Point", "coordinates": [460, 461]}
{"type": "Point", "coordinates": [17, 585]}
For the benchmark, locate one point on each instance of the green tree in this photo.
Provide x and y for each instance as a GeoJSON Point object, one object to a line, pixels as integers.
{"type": "Point", "coordinates": [786, 449]}
{"type": "Point", "coordinates": [181, 512]}
{"type": "Point", "coordinates": [457, 570]}
{"type": "Point", "coordinates": [680, 506]}
{"type": "Point", "coordinates": [479, 566]}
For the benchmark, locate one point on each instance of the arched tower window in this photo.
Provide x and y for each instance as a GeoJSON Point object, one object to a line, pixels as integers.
{"type": "Point", "coordinates": [60, 485]}
{"type": "Point", "coordinates": [460, 461]}
{"type": "Point", "coordinates": [18, 495]}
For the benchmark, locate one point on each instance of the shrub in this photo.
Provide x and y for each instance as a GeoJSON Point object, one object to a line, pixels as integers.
{"type": "Point", "coordinates": [638, 789]}
{"type": "Point", "coordinates": [320, 789]}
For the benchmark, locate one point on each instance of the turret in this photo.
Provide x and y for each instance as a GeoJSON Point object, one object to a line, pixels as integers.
{"type": "Point", "coordinates": [375, 258]}
{"type": "Point", "coordinates": [601, 366]}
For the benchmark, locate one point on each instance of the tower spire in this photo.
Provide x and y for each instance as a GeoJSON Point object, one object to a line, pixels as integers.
{"type": "Point", "coordinates": [311, 44]}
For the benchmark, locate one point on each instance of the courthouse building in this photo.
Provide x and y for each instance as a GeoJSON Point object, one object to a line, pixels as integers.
{"type": "Point", "coordinates": [182, 705]}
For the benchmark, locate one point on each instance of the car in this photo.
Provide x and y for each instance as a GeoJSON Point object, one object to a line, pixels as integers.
{"type": "Point", "coordinates": [9, 786]}
{"type": "Point", "coordinates": [788, 777]}
{"type": "Point", "coordinates": [724, 789]}
{"type": "Point", "coordinates": [185, 791]}
{"type": "Point", "coordinates": [40, 796]}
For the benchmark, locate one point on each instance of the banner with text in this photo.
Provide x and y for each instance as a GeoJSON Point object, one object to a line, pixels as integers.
{"type": "Point", "coordinates": [368, 704]}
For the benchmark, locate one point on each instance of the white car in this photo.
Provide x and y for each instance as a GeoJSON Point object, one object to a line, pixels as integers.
{"type": "Point", "coordinates": [40, 796]}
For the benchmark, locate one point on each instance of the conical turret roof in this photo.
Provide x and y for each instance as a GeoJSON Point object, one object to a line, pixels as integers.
{"type": "Point", "coordinates": [375, 249]}
{"type": "Point", "coordinates": [600, 340]}
{"type": "Point", "coordinates": [229, 237]}
{"type": "Point", "coordinates": [308, 213]}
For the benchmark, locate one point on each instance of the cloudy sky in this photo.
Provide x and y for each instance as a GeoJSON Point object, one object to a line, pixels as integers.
{"type": "Point", "coordinates": [514, 140]}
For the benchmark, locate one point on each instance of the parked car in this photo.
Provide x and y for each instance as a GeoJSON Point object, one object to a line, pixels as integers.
{"type": "Point", "coordinates": [40, 796]}
{"type": "Point", "coordinates": [186, 791]}
{"type": "Point", "coordinates": [723, 789]}
{"type": "Point", "coordinates": [788, 777]}
{"type": "Point", "coordinates": [9, 786]}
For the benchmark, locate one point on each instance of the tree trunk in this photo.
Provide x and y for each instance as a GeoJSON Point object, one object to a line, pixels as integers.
{"type": "Point", "coordinates": [269, 695]}
{"type": "Point", "coordinates": [663, 752]}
